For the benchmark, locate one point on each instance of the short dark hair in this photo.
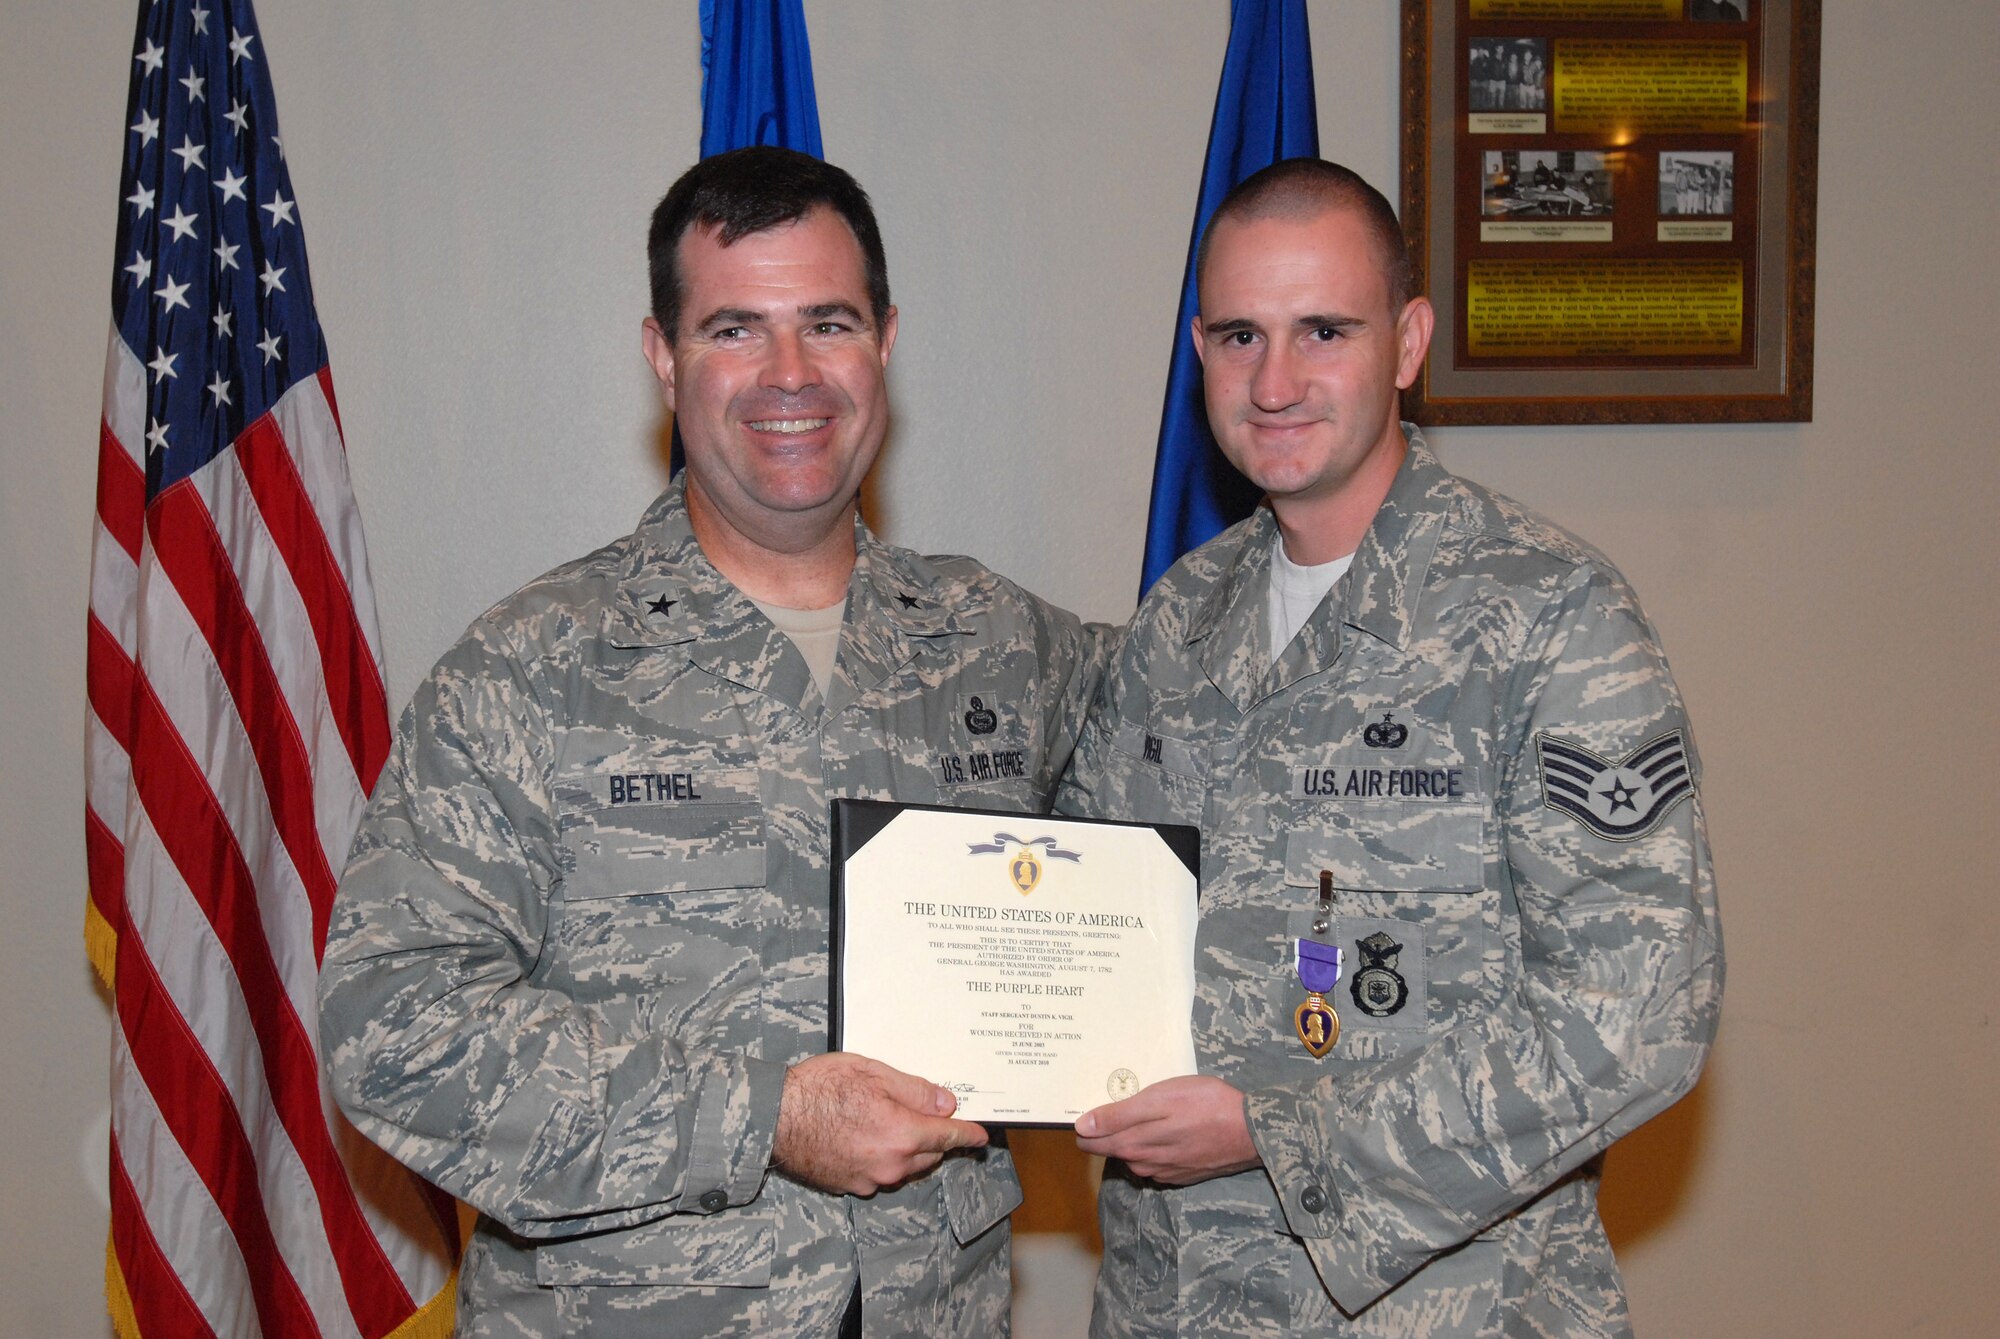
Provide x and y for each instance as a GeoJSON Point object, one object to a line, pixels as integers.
{"type": "Point", "coordinates": [754, 190]}
{"type": "Point", "coordinates": [1297, 187]}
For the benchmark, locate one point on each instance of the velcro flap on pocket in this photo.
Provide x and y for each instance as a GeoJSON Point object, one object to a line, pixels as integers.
{"type": "Point", "coordinates": [635, 832]}
{"type": "Point", "coordinates": [1162, 751]}
{"type": "Point", "coordinates": [1392, 847]}
{"type": "Point", "coordinates": [979, 1190]}
{"type": "Point", "coordinates": [732, 1250]}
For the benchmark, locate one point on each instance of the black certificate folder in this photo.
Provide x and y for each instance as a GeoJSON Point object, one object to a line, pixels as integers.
{"type": "Point", "coordinates": [1036, 966]}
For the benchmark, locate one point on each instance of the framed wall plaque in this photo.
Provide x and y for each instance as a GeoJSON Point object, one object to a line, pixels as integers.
{"type": "Point", "coordinates": [1611, 206]}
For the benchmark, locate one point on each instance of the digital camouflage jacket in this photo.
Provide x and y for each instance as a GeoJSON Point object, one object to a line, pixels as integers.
{"type": "Point", "coordinates": [1477, 737]}
{"type": "Point", "coordinates": [584, 930]}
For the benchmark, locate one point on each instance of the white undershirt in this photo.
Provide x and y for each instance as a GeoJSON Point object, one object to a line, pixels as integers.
{"type": "Point", "coordinates": [1295, 592]}
{"type": "Point", "coordinates": [816, 632]}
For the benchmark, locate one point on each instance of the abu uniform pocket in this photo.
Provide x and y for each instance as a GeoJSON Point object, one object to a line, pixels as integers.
{"type": "Point", "coordinates": [644, 831]}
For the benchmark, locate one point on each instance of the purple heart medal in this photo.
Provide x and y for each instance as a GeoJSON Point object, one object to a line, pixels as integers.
{"type": "Point", "coordinates": [1317, 1024]}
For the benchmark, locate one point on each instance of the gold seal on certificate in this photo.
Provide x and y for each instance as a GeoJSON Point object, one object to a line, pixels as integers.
{"type": "Point", "coordinates": [1033, 965]}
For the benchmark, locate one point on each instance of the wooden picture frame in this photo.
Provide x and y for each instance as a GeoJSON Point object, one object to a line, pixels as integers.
{"type": "Point", "coordinates": [1611, 206]}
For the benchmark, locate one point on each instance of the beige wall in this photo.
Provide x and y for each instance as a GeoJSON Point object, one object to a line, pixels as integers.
{"type": "Point", "coordinates": [474, 181]}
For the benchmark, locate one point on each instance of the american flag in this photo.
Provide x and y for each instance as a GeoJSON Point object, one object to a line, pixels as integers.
{"type": "Point", "coordinates": [237, 722]}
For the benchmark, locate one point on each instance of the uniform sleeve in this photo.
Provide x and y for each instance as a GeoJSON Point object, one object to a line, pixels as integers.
{"type": "Point", "coordinates": [1074, 665]}
{"type": "Point", "coordinates": [1080, 794]}
{"type": "Point", "coordinates": [517, 1099]}
{"type": "Point", "coordinates": [1608, 1021]}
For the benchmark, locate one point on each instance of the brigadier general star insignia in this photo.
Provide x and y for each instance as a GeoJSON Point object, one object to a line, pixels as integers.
{"type": "Point", "coordinates": [908, 601]}
{"type": "Point", "coordinates": [1620, 800]}
{"type": "Point", "coordinates": [662, 605]}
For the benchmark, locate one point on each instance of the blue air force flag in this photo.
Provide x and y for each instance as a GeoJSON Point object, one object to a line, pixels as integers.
{"type": "Point", "coordinates": [1264, 112]}
{"type": "Point", "coordinates": [757, 77]}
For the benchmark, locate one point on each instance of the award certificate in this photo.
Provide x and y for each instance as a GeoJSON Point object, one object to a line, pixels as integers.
{"type": "Point", "coordinates": [1036, 966]}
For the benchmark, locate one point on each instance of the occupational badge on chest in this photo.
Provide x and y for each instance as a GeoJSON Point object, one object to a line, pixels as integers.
{"type": "Point", "coordinates": [1387, 733]}
{"type": "Point", "coordinates": [986, 717]}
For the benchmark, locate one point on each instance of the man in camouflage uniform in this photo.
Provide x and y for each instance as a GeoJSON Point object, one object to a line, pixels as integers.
{"type": "Point", "coordinates": [1469, 770]}
{"type": "Point", "coordinates": [577, 972]}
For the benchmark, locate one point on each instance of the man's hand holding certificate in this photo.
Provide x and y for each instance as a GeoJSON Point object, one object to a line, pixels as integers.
{"type": "Point", "coordinates": [1037, 967]}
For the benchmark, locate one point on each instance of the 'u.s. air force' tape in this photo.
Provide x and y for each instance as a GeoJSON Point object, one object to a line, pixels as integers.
{"type": "Point", "coordinates": [1620, 801]}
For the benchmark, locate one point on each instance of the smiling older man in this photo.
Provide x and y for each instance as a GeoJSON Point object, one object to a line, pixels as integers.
{"type": "Point", "coordinates": [577, 973]}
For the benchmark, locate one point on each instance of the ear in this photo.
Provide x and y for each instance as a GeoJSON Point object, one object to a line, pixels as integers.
{"type": "Point", "coordinates": [1195, 332]}
{"type": "Point", "coordinates": [888, 336]}
{"type": "Point", "coordinates": [659, 352]}
{"type": "Point", "coordinates": [1413, 340]}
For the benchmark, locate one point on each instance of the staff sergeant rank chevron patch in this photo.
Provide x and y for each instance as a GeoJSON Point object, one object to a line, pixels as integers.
{"type": "Point", "coordinates": [1620, 801]}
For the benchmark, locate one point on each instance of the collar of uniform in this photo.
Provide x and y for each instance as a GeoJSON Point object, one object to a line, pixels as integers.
{"type": "Point", "coordinates": [669, 591]}
{"type": "Point", "coordinates": [1379, 592]}
{"type": "Point", "coordinates": [1376, 595]}
{"type": "Point", "coordinates": [1230, 621]}
{"type": "Point", "coordinates": [901, 589]}
{"type": "Point", "coordinates": [897, 604]}
{"type": "Point", "coordinates": [894, 585]}
{"type": "Point", "coordinates": [1241, 567]}
{"type": "Point", "coordinates": [673, 595]}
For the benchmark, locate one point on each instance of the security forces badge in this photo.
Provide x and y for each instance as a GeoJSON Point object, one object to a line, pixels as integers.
{"type": "Point", "coordinates": [1620, 800]}
{"type": "Point", "coordinates": [1379, 990]}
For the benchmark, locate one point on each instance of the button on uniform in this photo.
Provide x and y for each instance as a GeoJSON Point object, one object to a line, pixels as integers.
{"type": "Point", "coordinates": [1312, 1199]}
{"type": "Point", "coordinates": [714, 1201]}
